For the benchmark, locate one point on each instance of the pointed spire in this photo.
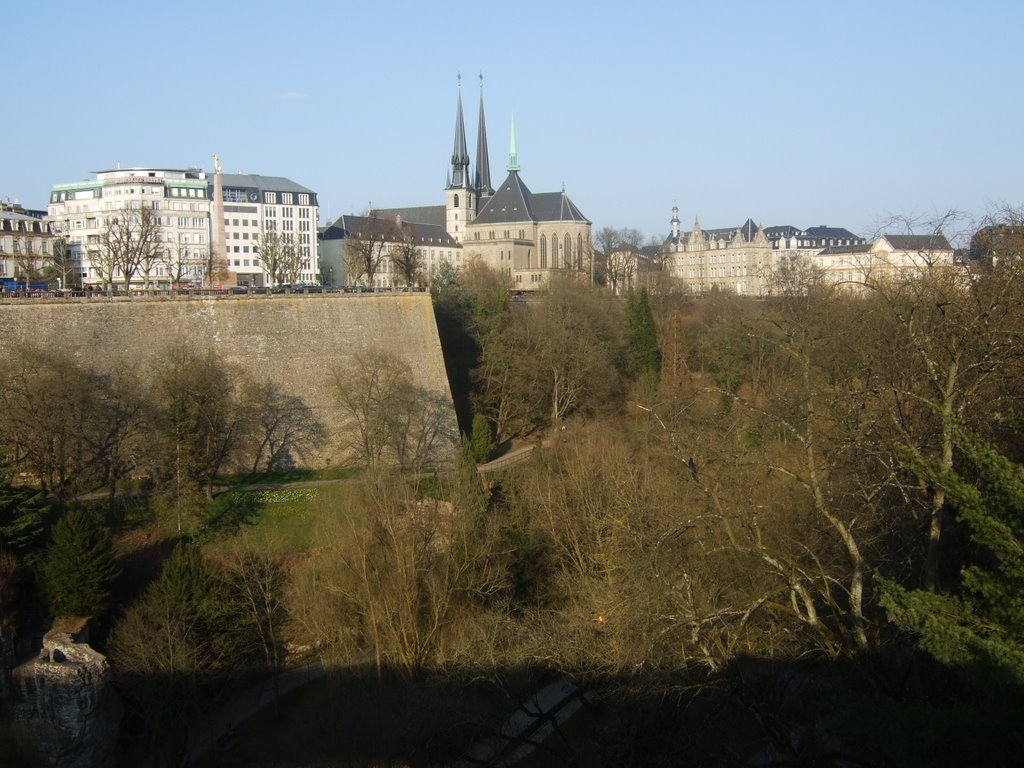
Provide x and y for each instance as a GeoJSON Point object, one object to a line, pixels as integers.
{"type": "Point", "coordinates": [460, 155]}
{"type": "Point", "coordinates": [482, 178]}
{"type": "Point", "coordinates": [513, 161]}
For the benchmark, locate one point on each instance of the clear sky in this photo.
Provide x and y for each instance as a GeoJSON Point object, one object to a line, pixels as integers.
{"type": "Point", "coordinates": [802, 113]}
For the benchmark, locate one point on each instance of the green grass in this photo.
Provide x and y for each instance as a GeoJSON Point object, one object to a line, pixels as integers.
{"type": "Point", "coordinates": [280, 521]}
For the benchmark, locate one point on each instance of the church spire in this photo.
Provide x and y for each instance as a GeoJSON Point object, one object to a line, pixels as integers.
{"type": "Point", "coordinates": [513, 160]}
{"type": "Point", "coordinates": [482, 178]}
{"type": "Point", "coordinates": [460, 155]}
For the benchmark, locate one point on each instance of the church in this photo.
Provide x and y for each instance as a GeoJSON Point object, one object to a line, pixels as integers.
{"type": "Point", "coordinates": [527, 236]}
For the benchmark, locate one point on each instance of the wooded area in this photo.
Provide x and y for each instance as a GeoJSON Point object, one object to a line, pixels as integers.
{"type": "Point", "coordinates": [776, 532]}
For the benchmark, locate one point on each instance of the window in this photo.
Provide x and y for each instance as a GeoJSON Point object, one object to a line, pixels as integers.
{"type": "Point", "coordinates": [543, 252]}
{"type": "Point", "coordinates": [554, 251]}
{"type": "Point", "coordinates": [456, 202]}
{"type": "Point", "coordinates": [568, 250]}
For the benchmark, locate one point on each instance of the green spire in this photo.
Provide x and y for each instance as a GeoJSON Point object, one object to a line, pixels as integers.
{"type": "Point", "coordinates": [513, 164]}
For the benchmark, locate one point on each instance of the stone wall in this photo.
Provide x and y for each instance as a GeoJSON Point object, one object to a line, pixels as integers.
{"type": "Point", "coordinates": [294, 340]}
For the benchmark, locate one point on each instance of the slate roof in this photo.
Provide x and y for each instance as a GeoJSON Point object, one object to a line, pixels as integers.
{"type": "Point", "coordinates": [386, 227]}
{"type": "Point", "coordinates": [934, 242]}
{"type": "Point", "coordinates": [829, 233]}
{"type": "Point", "coordinates": [510, 203]}
{"type": "Point", "coordinates": [514, 202]}
{"type": "Point", "coordinates": [424, 214]}
{"type": "Point", "coordinates": [262, 183]}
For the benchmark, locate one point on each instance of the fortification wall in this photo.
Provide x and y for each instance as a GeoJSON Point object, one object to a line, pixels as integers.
{"type": "Point", "coordinates": [292, 340]}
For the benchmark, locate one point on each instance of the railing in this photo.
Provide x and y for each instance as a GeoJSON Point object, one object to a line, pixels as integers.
{"type": "Point", "coordinates": [239, 291]}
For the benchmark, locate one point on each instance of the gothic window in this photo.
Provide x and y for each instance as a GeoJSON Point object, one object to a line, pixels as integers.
{"type": "Point", "coordinates": [554, 251]}
{"type": "Point", "coordinates": [543, 252]}
{"type": "Point", "coordinates": [579, 250]}
{"type": "Point", "coordinates": [568, 251]}
{"type": "Point", "coordinates": [456, 201]}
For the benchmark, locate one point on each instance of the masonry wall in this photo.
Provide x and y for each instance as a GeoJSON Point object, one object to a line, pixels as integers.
{"type": "Point", "coordinates": [292, 340]}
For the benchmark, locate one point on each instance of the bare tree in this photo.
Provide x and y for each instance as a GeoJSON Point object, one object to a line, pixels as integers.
{"type": "Point", "coordinates": [129, 240]}
{"type": "Point", "coordinates": [408, 260]}
{"type": "Point", "coordinates": [270, 253]}
{"type": "Point", "coordinates": [365, 252]}
{"type": "Point", "coordinates": [283, 426]}
{"type": "Point", "coordinates": [292, 259]}
{"type": "Point", "coordinates": [388, 419]}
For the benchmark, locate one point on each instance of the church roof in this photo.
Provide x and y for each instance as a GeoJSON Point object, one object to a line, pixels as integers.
{"type": "Point", "coordinates": [513, 202]}
{"type": "Point", "coordinates": [510, 203]}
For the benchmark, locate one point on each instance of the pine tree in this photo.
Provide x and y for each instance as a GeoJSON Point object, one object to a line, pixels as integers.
{"type": "Point", "coordinates": [645, 357]}
{"type": "Point", "coordinates": [481, 442]}
{"type": "Point", "coordinates": [79, 568]}
{"type": "Point", "coordinates": [978, 630]}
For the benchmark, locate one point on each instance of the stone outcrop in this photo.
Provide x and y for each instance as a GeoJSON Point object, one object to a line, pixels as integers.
{"type": "Point", "coordinates": [64, 698]}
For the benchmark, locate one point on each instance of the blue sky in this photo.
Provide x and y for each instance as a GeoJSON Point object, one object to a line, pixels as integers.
{"type": "Point", "coordinates": [798, 113]}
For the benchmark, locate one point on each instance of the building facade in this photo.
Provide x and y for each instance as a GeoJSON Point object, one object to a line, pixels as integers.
{"type": "Point", "coordinates": [749, 259]}
{"type": "Point", "coordinates": [26, 246]}
{"type": "Point", "coordinates": [528, 237]}
{"type": "Point", "coordinates": [181, 208]}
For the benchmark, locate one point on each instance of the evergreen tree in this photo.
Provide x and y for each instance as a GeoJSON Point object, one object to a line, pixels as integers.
{"type": "Point", "coordinates": [23, 517]}
{"type": "Point", "coordinates": [979, 630]}
{"type": "Point", "coordinates": [481, 442]}
{"type": "Point", "coordinates": [645, 357]}
{"type": "Point", "coordinates": [79, 568]}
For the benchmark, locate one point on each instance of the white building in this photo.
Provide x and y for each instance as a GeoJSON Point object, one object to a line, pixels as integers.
{"type": "Point", "coordinates": [183, 205]}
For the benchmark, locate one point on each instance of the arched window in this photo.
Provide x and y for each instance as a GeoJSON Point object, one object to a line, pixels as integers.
{"type": "Point", "coordinates": [456, 201]}
{"type": "Point", "coordinates": [554, 251]}
{"type": "Point", "coordinates": [543, 252]}
{"type": "Point", "coordinates": [579, 250]}
{"type": "Point", "coordinates": [568, 251]}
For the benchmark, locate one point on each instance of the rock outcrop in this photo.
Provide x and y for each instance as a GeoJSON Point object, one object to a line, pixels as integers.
{"type": "Point", "coordinates": [64, 698]}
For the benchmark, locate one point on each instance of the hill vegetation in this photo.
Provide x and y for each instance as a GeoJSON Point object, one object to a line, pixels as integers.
{"type": "Point", "coordinates": [782, 532]}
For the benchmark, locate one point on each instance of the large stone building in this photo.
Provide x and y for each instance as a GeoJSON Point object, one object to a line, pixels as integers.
{"type": "Point", "coordinates": [192, 248]}
{"type": "Point", "coordinates": [525, 235]}
{"type": "Point", "coordinates": [754, 261]}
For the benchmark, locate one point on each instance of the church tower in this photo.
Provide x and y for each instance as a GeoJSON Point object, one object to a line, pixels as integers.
{"type": "Point", "coordinates": [460, 197]}
{"type": "Point", "coordinates": [482, 177]}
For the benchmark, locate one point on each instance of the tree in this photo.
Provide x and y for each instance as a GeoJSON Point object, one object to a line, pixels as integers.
{"type": "Point", "coordinates": [257, 585]}
{"type": "Point", "coordinates": [956, 338]}
{"type": "Point", "coordinates": [199, 414]}
{"type": "Point", "coordinates": [408, 260]}
{"type": "Point", "coordinates": [388, 420]}
{"type": "Point", "coordinates": [181, 637]}
{"type": "Point", "coordinates": [271, 253]}
{"type": "Point", "coordinates": [365, 251]}
{"type": "Point", "coordinates": [620, 249]}
{"type": "Point", "coordinates": [291, 259]}
{"type": "Point", "coordinates": [80, 568]}
{"type": "Point", "coordinates": [978, 629]}
{"type": "Point", "coordinates": [282, 427]}
{"type": "Point", "coordinates": [645, 357]}
{"type": "Point", "coordinates": [130, 240]}
{"type": "Point", "coordinates": [560, 355]}
{"type": "Point", "coordinates": [62, 269]}
{"type": "Point", "coordinates": [56, 425]}
{"type": "Point", "coordinates": [27, 262]}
